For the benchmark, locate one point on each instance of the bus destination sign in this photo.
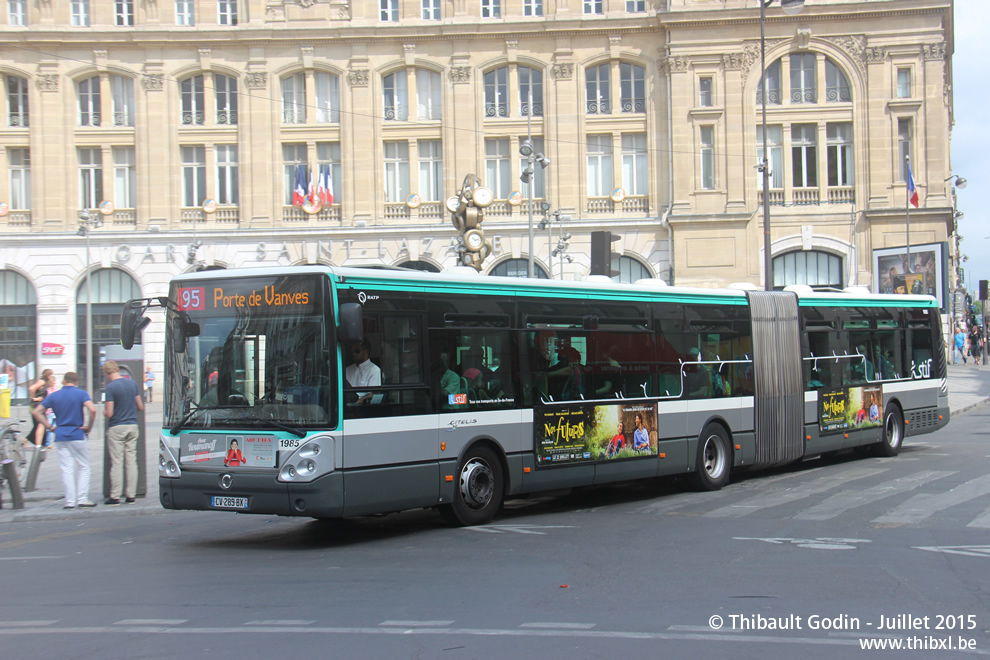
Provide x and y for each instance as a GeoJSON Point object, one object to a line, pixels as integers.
{"type": "Point", "coordinates": [298, 294]}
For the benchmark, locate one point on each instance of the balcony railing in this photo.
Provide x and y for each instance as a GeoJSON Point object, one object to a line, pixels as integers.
{"type": "Point", "coordinates": [228, 215]}
{"type": "Point", "coordinates": [192, 118]}
{"type": "Point", "coordinates": [776, 197]}
{"type": "Point", "coordinates": [600, 205]}
{"type": "Point", "coordinates": [841, 195]}
{"type": "Point", "coordinates": [636, 204]}
{"type": "Point", "coordinates": [395, 211]}
{"type": "Point", "coordinates": [19, 218]}
{"type": "Point", "coordinates": [192, 214]}
{"type": "Point", "coordinates": [431, 210]}
{"type": "Point", "coordinates": [499, 208]}
{"type": "Point", "coordinates": [805, 196]}
{"type": "Point", "coordinates": [18, 119]}
{"type": "Point", "coordinates": [226, 117]}
{"type": "Point", "coordinates": [296, 214]}
{"type": "Point", "coordinates": [125, 217]}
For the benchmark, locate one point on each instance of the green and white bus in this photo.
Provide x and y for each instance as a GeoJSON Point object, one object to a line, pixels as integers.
{"type": "Point", "coordinates": [469, 390]}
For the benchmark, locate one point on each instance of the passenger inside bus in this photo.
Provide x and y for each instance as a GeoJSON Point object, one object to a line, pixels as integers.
{"type": "Point", "coordinates": [362, 372]}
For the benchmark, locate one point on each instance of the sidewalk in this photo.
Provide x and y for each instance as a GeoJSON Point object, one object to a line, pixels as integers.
{"type": "Point", "coordinates": [969, 387]}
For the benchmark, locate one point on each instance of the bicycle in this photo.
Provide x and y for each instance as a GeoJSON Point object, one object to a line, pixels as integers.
{"type": "Point", "coordinates": [12, 447]}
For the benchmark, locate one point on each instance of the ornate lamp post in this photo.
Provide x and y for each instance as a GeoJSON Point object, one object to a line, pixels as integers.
{"type": "Point", "coordinates": [87, 221]}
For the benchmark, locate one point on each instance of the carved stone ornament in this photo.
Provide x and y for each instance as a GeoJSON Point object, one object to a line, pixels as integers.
{"type": "Point", "coordinates": [734, 61]}
{"type": "Point", "coordinates": [307, 3]}
{"type": "Point", "coordinates": [153, 82]}
{"type": "Point", "coordinates": [672, 64]}
{"type": "Point", "coordinates": [854, 45]}
{"type": "Point", "coordinates": [874, 54]}
{"type": "Point", "coordinates": [563, 71]}
{"type": "Point", "coordinates": [256, 80]}
{"type": "Point", "coordinates": [460, 74]}
{"type": "Point", "coordinates": [48, 82]}
{"type": "Point", "coordinates": [934, 51]}
{"type": "Point", "coordinates": [359, 77]}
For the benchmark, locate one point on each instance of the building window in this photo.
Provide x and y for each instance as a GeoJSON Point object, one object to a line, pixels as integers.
{"type": "Point", "coordinates": [17, 12]}
{"type": "Point", "coordinates": [19, 161]}
{"type": "Point", "coordinates": [227, 12]}
{"type": "Point", "coordinates": [599, 165]}
{"type": "Point", "coordinates": [396, 96]}
{"type": "Point", "coordinates": [539, 173]}
{"type": "Point", "coordinates": [497, 93]}
{"type": "Point", "coordinates": [803, 85]}
{"type": "Point", "coordinates": [498, 166]}
{"type": "Point", "coordinates": [191, 94]}
{"type": "Point", "coordinates": [17, 101]}
{"type": "Point", "coordinates": [594, 7]}
{"type": "Point", "coordinates": [327, 98]}
{"type": "Point", "coordinates": [532, 7]}
{"type": "Point", "coordinates": [396, 171]}
{"type": "Point", "coordinates": [705, 92]}
{"type": "Point", "coordinates": [89, 101]}
{"type": "Point", "coordinates": [598, 90]}
{"type": "Point", "coordinates": [430, 170]}
{"type": "Point", "coordinates": [294, 156]}
{"type": "Point", "coordinates": [390, 11]}
{"type": "Point", "coordinates": [80, 13]}
{"type": "Point", "coordinates": [90, 177]}
{"type": "Point", "coordinates": [530, 91]}
{"type": "Point", "coordinates": [123, 101]}
{"type": "Point", "coordinates": [428, 95]}
{"type": "Point", "coordinates": [632, 88]}
{"type": "Point", "coordinates": [328, 155]}
{"type": "Point", "coordinates": [629, 270]}
{"type": "Point", "coordinates": [775, 145]}
{"type": "Point", "coordinates": [836, 84]}
{"type": "Point", "coordinates": [635, 6]}
{"type": "Point", "coordinates": [225, 91]}
{"type": "Point", "coordinates": [770, 86]}
{"type": "Point", "coordinates": [491, 8]}
{"type": "Point", "coordinates": [124, 178]}
{"type": "Point", "coordinates": [903, 146]}
{"type": "Point", "coordinates": [431, 10]}
{"type": "Point", "coordinates": [294, 99]}
{"type": "Point", "coordinates": [193, 176]}
{"type": "Point", "coordinates": [124, 13]}
{"type": "Point", "coordinates": [804, 155]}
{"type": "Point", "coordinates": [904, 83]}
{"type": "Point", "coordinates": [819, 270]}
{"type": "Point", "coordinates": [518, 268]}
{"type": "Point", "coordinates": [634, 164]}
{"type": "Point", "coordinates": [839, 148]}
{"type": "Point", "coordinates": [708, 157]}
{"type": "Point", "coordinates": [185, 12]}
{"type": "Point", "coordinates": [227, 186]}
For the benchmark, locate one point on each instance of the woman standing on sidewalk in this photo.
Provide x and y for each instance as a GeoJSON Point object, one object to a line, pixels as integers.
{"type": "Point", "coordinates": [975, 343]}
{"type": "Point", "coordinates": [37, 392]}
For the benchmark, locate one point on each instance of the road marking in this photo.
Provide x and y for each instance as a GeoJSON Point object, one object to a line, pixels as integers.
{"type": "Point", "coordinates": [279, 622]}
{"type": "Point", "coordinates": [669, 503]}
{"type": "Point", "coordinates": [37, 557]}
{"type": "Point", "coordinates": [923, 505]}
{"type": "Point", "coordinates": [518, 529]}
{"type": "Point", "coordinates": [982, 520]}
{"type": "Point", "coordinates": [150, 622]}
{"type": "Point", "coordinates": [561, 626]}
{"type": "Point", "coordinates": [27, 624]}
{"type": "Point", "coordinates": [814, 544]}
{"type": "Point", "coordinates": [799, 492]}
{"type": "Point", "coordinates": [415, 624]}
{"type": "Point", "coordinates": [968, 550]}
{"type": "Point", "coordinates": [850, 499]}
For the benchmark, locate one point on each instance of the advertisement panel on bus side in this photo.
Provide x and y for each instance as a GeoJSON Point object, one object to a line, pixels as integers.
{"type": "Point", "coordinates": [850, 409]}
{"type": "Point", "coordinates": [585, 433]}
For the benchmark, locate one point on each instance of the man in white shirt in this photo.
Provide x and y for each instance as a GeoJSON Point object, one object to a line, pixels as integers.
{"type": "Point", "coordinates": [363, 372]}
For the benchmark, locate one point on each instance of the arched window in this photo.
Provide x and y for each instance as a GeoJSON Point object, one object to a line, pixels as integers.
{"type": "Point", "coordinates": [424, 266]}
{"type": "Point", "coordinates": [17, 101]}
{"type": "Point", "coordinates": [518, 268]}
{"type": "Point", "coordinates": [395, 91]}
{"type": "Point", "coordinates": [193, 101]}
{"type": "Point", "coordinates": [111, 289]}
{"type": "Point", "coordinates": [122, 89]}
{"type": "Point", "coordinates": [294, 99]}
{"type": "Point", "coordinates": [819, 270]}
{"type": "Point", "coordinates": [598, 90]}
{"type": "Point", "coordinates": [89, 101]}
{"type": "Point", "coordinates": [632, 88]}
{"type": "Point", "coordinates": [836, 84]}
{"type": "Point", "coordinates": [18, 332]}
{"type": "Point", "coordinates": [327, 98]}
{"type": "Point", "coordinates": [225, 93]}
{"type": "Point", "coordinates": [497, 92]}
{"type": "Point", "coordinates": [629, 270]}
{"type": "Point", "coordinates": [530, 82]}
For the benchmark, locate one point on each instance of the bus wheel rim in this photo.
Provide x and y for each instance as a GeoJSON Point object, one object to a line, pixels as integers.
{"type": "Point", "coordinates": [893, 431]}
{"type": "Point", "coordinates": [477, 483]}
{"type": "Point", "coordinates": [714, 456]}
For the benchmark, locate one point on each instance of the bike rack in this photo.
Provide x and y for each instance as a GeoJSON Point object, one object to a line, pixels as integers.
{"type": "Point", "coordinates": [37, 458]}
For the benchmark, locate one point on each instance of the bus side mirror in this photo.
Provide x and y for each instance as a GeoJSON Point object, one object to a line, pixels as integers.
{"type": "Point", "coordinates": [351, 328]}
{"type": "Point", "coordinates": [132, 322]}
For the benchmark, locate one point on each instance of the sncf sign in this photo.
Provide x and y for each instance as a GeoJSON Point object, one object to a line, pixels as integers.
{"type": "Point", "coordinates": [48, 348]}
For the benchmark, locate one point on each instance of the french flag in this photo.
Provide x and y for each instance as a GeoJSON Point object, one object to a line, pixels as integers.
{"type": "Point", "coordinates": [299, 187]}
{"type": "Point", "coordinates": [911, 190]}
{"type": "Point", "coordinates": [325, 187]}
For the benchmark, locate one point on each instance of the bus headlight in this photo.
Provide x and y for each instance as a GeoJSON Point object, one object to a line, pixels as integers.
{"type": "Point", "coordinates": [309, 461]}
{"type": "Point", "coordinates": [168, 466]}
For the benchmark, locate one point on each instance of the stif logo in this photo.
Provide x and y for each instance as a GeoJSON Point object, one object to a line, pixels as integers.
{"type": "Point", "coordinates": [456, 399]}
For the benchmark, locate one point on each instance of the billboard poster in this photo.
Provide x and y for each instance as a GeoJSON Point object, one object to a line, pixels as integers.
{"type": "Point", "coordinates": [588, 433]}
{"type": "Point", "coordinates": [218, 450]}
{"type": "Point", "coordinates": [926, 274]}
{"type": "Point", "coordinates": [850, 409]}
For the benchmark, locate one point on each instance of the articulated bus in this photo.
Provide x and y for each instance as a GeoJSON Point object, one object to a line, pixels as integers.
{"type": "Point", "coordinates": [331, 392]}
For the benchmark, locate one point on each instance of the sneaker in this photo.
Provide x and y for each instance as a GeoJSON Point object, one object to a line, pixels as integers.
{"type": "Point", "coordinates": [86, 505]}
{"type": "Point", "coordinates": [112, 501]}
{"type": "Point", "coordinates": [130, 500]}
{"type": "Point", "coordinates": [69, 506]}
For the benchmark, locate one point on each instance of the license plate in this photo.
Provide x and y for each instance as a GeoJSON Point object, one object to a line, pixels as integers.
{"type": "Point", "coordinates": [220, 502]}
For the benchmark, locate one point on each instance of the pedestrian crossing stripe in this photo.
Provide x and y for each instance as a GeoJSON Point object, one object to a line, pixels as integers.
{"type": "Point", "coordinates": [968, 550]}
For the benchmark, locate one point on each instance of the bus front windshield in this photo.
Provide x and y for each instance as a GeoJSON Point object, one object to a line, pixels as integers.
{"type": "Point", "coordinates": [249, 352]}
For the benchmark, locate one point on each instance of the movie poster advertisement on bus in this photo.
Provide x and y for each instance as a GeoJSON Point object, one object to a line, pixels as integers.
{"type": "Point", "coordinates": [586, 433]}
{"type": "Point", "coordinates": [850, 409]}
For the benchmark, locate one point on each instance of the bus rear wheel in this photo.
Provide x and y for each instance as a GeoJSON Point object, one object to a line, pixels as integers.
{"type": "Point", "coordinates": [713, 461]}
{"type": "Point", "coordinates": [892, 436]}
{"type": "Point", "coordinates": [479, 490]}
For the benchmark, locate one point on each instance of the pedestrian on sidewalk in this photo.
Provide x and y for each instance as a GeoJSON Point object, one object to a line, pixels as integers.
{"type": "Point", "coordinates": [123, 401]}
{"type": "Point", "coordinates": [71, 434]}
{"type": "Point", "coordinates": [149, 383]}
{"type": "Point", "coordinates": [37, 392]}
{"type": "Point", "coordinates": [975, 343]}
{"type": "Point", "coordinates": [960, 346]}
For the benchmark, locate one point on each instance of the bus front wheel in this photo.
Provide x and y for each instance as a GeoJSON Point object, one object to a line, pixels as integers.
{"type": "Point", "coordinates": [893, 432]}
{"type": "Point", "coordinates": [479, 490]}
{"type": "Point", "coordinates": [713, 461]}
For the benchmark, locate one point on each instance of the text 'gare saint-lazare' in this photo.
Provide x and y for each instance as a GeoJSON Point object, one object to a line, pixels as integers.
{"type": "Point", "coordinates": [123, 254]}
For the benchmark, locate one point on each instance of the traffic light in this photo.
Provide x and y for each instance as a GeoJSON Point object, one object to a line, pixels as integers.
{"type": "Point", "coordinates": [601, 253]}
{"type": "Point", "coordinates": [983, 290]}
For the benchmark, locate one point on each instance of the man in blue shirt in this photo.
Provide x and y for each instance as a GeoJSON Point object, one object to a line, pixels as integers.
{"type": "Point", "coordinates": [123, 401]}
{"type": "Point", "coordinates": [71, 439]}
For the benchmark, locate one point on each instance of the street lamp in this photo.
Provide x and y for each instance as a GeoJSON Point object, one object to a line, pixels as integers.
{"type": "Point", "coordinates": [789, 7]}
{"type": "Point", "coordinates": [87, 221]}
{"type": "Point", "coordinates": [957, 181]}
{"type": "Point", "coordinates": [529, 172]}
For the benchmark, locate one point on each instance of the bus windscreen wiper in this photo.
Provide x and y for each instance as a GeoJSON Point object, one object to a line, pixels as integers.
{"type": "Point", "coordinates": [189, 415]}
{"type": "Point", "coordinates": [280, 426]}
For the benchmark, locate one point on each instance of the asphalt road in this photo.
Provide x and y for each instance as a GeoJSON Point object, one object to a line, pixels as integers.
{"type": "Point", "coordinates": [850, 543]}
